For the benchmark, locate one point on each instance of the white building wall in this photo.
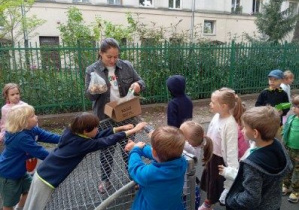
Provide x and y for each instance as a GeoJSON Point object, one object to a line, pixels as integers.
{"type": "Point", "coordinates": [247, 6]}
{"type": "Point", "coordinates": [216, 5]}
{"type": "Point", "coordinates": [226, 24]}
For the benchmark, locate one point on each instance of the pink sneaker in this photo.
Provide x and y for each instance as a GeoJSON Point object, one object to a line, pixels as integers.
{"type": "Point", "coordinates": [204, 207]}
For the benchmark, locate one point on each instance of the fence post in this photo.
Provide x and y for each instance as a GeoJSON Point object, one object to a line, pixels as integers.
{"type": "Point", "coordinates": [232, 63]}
{"type": "Point", "coordinates": [285, 49]}
{"type": "Point", "coordinates": [82, 85]}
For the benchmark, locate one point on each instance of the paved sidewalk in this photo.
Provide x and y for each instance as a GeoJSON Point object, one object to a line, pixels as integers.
{"type": "Point", "coordinates": [154, 114]}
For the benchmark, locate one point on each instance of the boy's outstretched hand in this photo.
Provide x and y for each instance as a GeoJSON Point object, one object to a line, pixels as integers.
{"type": "Point", "coordinates": [124, 127]}
{"type": "Point", "coordinates": [137, 128]}
{"type": "Point", "coordinates": [140, 125]}
{"type": "Point", "coordinates": [129, 146]}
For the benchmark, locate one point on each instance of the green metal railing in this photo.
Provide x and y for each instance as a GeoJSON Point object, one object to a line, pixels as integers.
{"type": "Point", "coordinates": [52, 77]}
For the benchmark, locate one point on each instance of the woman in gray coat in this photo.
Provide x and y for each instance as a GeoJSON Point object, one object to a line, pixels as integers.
{"type": "Point", "coordinates": [119, 76]}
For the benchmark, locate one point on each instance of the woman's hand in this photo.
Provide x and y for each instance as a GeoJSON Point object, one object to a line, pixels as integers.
{"type": "Point", "coordinates": [136, 87]}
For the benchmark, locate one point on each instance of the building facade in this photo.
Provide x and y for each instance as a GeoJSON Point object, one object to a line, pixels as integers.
{"type": "Point", "coordinates": [215, 20]}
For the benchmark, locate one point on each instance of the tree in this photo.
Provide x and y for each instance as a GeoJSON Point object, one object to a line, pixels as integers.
{"type": "Point", "coordinates": [273, 22]}
{"type": "Point", "coordinates": [76, 30]}
{"type": "Point", "coordinates": [296, 33]}
{"type": "Point", "coordinates": [14, 21]}
{"type": "Point", "coordinates": [76, 33]}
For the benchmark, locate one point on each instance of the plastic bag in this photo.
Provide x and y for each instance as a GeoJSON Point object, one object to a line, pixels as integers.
{"type": "Point", "coordinates": [129, 96]}
{"type": "Point", "coordinates": [97, 84]}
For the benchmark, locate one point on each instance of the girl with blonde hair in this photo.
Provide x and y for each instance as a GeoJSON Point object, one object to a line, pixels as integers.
{"type": "Point", "coordinates": [22, 134]}
{"type": "Point", "coordinates": [223, 130]}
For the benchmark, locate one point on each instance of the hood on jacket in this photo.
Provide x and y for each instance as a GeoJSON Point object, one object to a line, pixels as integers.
{"type": "Point", "coordinates": [272, 160]}
{"type": "Point", "coordinates": [176, 84]}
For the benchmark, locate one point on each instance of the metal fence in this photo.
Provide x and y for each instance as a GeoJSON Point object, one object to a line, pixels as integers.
{"type": "Point", "coordinates": [52, 77]}
{"type": "Point", "coordinates": [80, 189]}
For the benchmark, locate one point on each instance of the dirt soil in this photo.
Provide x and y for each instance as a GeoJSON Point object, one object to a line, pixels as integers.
{"type": "Point", "coordinates": [153, 114]}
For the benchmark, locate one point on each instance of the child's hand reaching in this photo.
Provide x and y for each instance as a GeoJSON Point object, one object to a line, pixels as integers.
{"type": "Point", "coordinates": [137, 128]}
{"type": "Point", "coordinates": [129, 146]}
{"type": "Point", "coordinates": [140, 125]}
{"type": "Point", "coordinates": [132, 144]}
{"type": "Point", "coordinates": [221, 169]}
{"type": "Point", "coordinates": [125, 127]}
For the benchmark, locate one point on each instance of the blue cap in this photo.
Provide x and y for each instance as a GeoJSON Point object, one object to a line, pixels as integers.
{"type": "Point", "coordinates": [278, 74]}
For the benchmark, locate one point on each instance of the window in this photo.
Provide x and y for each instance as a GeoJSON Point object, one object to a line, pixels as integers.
{"type": "Point", "coordinates": [50, 58]}
{"type": "Point", "coordinates": [236, 7]}
{"type": "Point", "coordinates": [148, 41]}
{"type": "Point", "coordinates": [256, 4]}
{"type": "Point", "coordinates": [175, 4]}
{"type": "Point", "coordinates": [80, 1]}
{"type": "Point", "coordinates": [293, 7]}
{"type": "Point", "coordinates": [146, 3]}
{"type": "Point", "coordinates": [115, 2]}
{"type": "Point", "coordinates": [209, 27]}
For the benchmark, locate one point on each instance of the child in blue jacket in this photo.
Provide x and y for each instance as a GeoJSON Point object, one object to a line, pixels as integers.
{"type": "Point", "coordinates": [160, 182]}
{"type": "Point", "coordinates": [20, 144]}
{"type": "Point", "coordinates": [180, 107]}
{"type": "Point", "coordinates": [81, 138]}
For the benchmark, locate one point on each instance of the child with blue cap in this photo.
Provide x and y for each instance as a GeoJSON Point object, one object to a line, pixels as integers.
{"type": "Point", "coordinates": [274, 94]}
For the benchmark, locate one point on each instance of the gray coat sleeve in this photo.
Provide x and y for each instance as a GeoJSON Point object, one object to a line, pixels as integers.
{"type": "Point", "coordinates": [136, 77]}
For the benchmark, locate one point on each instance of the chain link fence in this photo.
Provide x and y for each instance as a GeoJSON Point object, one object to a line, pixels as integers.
{"type": "Point", "coordinates": [80, 190]}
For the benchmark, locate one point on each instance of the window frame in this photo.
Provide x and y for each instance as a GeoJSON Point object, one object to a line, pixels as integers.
{"type": "Point", "coordinates": [236, 6]}
{"type": "Point", "coordinates": [256, 6]}
{"type": "Point", "coordinates": [114, 2]}
{"type": "Point", "coordinates": [294, 6]}
{"type": "Point", "coordinates": [141, 4]}
{"type": "Point", "coordinates": [213, 27]}
{"type": "Point", "coordinates": [81, 1]}
{"type": "Point", "coordinates": [174, 4]}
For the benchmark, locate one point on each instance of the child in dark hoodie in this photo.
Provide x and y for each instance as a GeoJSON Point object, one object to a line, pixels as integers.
{"type": "Point", "coordinates": [21, 136]}
{"type": "Point", "coordinates": [259, 179]}
{"type": "Point", "coordinates": [81, 138]}
{"type": "Point", "coordinates": [180, 107]}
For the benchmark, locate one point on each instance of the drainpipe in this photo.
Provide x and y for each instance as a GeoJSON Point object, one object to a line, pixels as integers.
{"type": "Point", "coordinates": [192, 21]}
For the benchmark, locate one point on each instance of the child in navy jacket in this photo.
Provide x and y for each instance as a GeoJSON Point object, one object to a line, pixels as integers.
{"type": "Point", "coordinates": [180, 108]}
{"type": "Point", "coordinates": [274, 94]}
{"type": "Point", "coordinates": [20, 141]}
{"type": "Point", "coordinates": [77, 141]}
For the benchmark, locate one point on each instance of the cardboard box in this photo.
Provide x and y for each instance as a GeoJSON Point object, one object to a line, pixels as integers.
{"type": "Point", "coordinates": [124, 110]}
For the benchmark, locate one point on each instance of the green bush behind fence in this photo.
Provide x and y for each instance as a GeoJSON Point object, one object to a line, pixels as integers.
{"type": "Point", "coordinates": [52, 77]}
